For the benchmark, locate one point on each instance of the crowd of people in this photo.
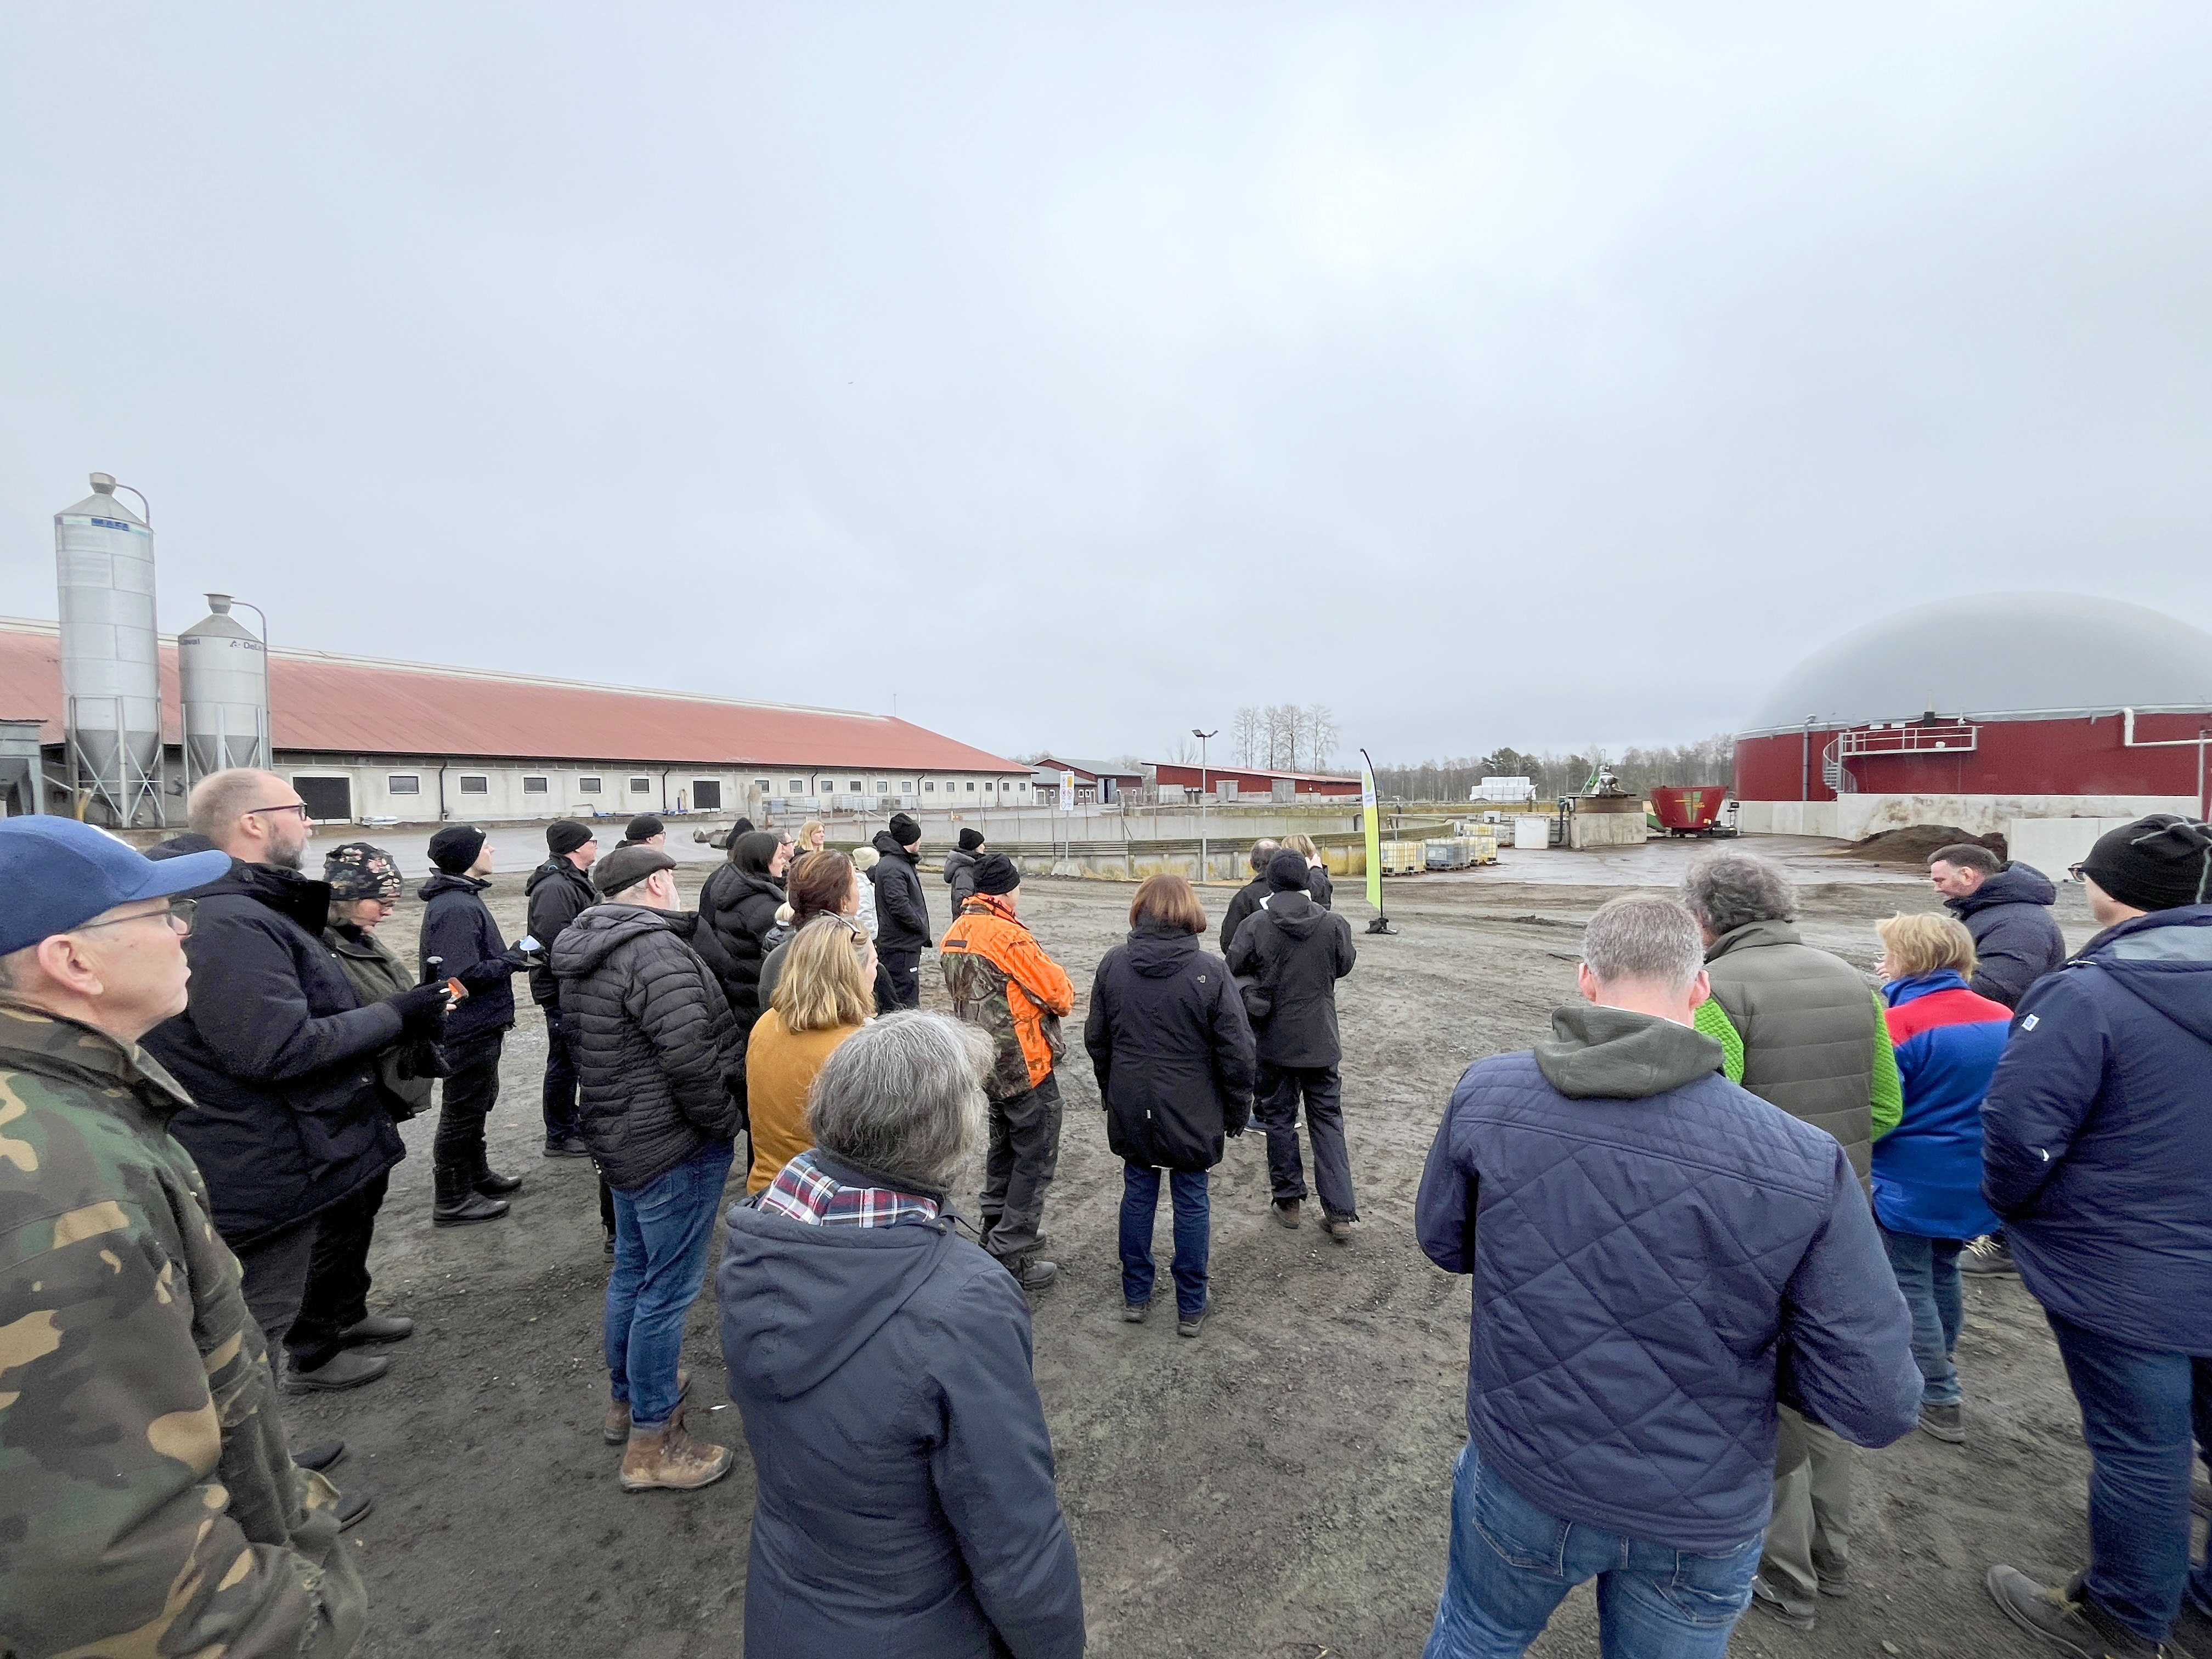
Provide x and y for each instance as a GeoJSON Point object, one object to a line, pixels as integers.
{"type": "Point", "coordinates": [1716, 1221]}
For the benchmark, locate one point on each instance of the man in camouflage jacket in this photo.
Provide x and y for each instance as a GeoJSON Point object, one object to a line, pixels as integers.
{"type": "Point", "coordinates": [148, 1504]}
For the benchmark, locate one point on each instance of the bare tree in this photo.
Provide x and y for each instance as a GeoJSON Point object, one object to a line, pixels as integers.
{"type": "Point", "coordinates": [1317, 725]}
{"type": "Point", "coordinates": [1245, 732]}
{"type": "Point", "coordinates": [1282, 735]}
{"type": "Point", "coordinates": [1183, 751]}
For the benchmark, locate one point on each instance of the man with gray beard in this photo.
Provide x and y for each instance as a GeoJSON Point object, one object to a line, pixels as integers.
{"type": "Point", "coordinates": [287, 1122]}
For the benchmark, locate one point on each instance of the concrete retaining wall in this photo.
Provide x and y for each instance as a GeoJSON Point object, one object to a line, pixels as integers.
{"type": "Point", "coordinates": [1850, 817]}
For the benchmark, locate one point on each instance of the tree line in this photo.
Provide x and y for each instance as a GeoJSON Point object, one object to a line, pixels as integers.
{"type": "Point", "coordinates": [1639, 769]}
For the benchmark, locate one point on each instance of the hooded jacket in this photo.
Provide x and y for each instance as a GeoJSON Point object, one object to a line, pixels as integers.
{"type": "Point", "coordinates": [278, 1053]}
{"type": "Point", "coordinates": [1172, 1049]}
{"type": "Point", "coordinates": [904, 1499]}
{"type": "Point", "coordinates": [902, 912]}
{"type": "Point", "coordinates": [152, 1505]}
{"type": "Point", "coordinates": [457, 929]}
{"type": "Point", "coordinates": [1928, 1170]}
{"type": "Point", "coordinates": [2016, 939]}
{"type": "Point", "coordinates": [2094, 1131]}
{"type": "Point", "coordinates": [1297, 951]}
{"type": "Point", "coordinates": [960, 876]}
{"type": "Point", "coordinates": [659, 1060]}
{"type": "Point", "coordinates": [1001, 981]}
{"type": "Point", "coordinates": [1808, 1027]}
{"type": "Point", "coordinates": [1658, 1257]}
{"type": "Point", "coordinates": [558, 893]}
{"type": "Point", "coordinates": [737, 911]}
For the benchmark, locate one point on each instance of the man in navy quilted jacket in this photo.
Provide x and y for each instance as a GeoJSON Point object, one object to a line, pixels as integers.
{"type": "Point", "coordinates": [1658, 1257]}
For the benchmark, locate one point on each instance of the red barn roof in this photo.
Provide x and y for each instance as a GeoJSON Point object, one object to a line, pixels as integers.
{"type": "Point", "coordinates": [329, 704]}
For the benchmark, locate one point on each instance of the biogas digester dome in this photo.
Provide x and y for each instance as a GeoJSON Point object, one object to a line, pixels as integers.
{"type": "Point", "coordinates": [2048, 695]}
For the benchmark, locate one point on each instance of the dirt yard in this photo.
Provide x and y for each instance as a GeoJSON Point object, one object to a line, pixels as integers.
{"type": "Point", "coordinates": [1277, 1488]}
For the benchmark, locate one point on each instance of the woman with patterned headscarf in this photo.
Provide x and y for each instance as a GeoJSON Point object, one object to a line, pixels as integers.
{"type": "Point", "coordinates": [364, 889]}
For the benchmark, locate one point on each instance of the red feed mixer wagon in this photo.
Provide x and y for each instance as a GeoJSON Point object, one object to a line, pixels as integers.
{"type": "Point", "coordinates": [1688, 809]}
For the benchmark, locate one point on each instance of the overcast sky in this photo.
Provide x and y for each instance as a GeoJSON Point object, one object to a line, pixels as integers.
{"type": "Point", "coordinates": [1541, 374]}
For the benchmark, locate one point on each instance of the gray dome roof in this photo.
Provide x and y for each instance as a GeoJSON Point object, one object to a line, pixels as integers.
{"type": "Point", "coordinates": [1995, 654]}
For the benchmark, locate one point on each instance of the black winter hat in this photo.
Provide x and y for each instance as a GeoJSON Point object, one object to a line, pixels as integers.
{"type": "Point", "coordinates": [970, 840]}
{"type": "Point", "coordinates": [454, 847]}
{"type": "Point", "coordinates": [644, 827]}
{"type": "Point", "coordinates": [566, 836]}
{"type": "Point", "coordinates": [2156, 863]}
{"type": "Point", "coordinates": [1286, 873]}
{"type": "Point", "coordinates": [905, 830]}
{"type": "Point", "coordinates": [996, 874]}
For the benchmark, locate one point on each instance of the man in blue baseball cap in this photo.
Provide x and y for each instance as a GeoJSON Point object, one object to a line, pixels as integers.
{"type": "Point", "coordinates": [141, 1515]}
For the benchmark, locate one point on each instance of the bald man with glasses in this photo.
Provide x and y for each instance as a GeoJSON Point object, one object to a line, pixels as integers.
{"type": "Point", "coordinates": [287, 1121]}
{"type": "Point", "coordinates": [149, 1502]}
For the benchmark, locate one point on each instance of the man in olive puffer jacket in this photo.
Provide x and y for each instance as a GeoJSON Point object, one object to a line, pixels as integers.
{"type": "Point", "coordinates": [1802, 1029]}
{"type": "Point", "coordinates": [659, 1074]}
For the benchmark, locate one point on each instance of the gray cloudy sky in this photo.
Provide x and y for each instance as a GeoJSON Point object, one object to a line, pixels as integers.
{"type": "Point", "coordinates": [1535, 373]}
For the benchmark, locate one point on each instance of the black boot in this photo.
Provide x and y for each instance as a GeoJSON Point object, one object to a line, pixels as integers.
{"type": "Point", "coordinates": [458, 1203]}
{"type": "Point", "coordinates": [489, 1181]}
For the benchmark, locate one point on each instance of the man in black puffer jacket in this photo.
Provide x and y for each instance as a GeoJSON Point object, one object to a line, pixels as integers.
{"type": "Point", "coordinates": [658, 1058]}
{"type": "Point", "coordinates": [460, 935]}
{"type": "Point", "coordinates": [1297, 951]}
{"type": "Point", "coordinates": [737, 911]}
{"type": "Point", "coordinates": [2007, 908]}
{"type": "Point", "coordinates": [286, 1120]}
{"type": "Point", "coordinates": [902, 913]}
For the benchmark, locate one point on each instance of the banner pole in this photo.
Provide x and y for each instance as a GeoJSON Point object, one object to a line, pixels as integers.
{"type": "Point", "coordinates": [1372, 819]}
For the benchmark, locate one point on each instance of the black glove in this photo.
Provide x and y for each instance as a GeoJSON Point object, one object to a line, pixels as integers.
{"type": "Point", "coordinates": [421, 1011]}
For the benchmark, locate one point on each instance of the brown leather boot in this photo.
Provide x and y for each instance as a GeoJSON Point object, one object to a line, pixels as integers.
{"type": "Point", "coordinates": [617, 1427]}
{"type": "Point", "coordinates": [669, 1457]}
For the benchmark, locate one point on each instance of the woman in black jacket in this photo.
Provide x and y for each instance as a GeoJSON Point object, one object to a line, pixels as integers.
{"type": "Point", "coordinates": [737, 911]}
{"type": "Point", "coordinates": [1169, 1039]}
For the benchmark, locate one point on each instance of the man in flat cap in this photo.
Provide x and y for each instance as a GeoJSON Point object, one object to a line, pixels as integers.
{"type": "Point", "coordinates": [659, 1063]}
{"type": "Point", "coordinates": [149, 1503]}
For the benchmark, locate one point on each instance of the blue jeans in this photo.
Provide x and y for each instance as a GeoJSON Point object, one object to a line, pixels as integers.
{"type": "Point", "coordinates": [661, 1233]}
{"type": "Point", "coordinates": [2140, 1410]}
{"type": "Point", "coordinates": [1927, 1272]}
{"type": "Point", "coordinates": [1511, 1563]}
{"type": "Point", "coordinates": [1140, 1200]}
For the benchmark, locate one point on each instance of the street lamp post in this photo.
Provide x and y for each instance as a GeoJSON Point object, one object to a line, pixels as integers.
{"type": "Point", "coordinates": [1202, 737]}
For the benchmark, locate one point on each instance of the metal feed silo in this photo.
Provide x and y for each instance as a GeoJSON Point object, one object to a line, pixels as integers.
{"type": "Point", "coordinates": [223, 675]}
{"type": "Point", "coordinates": [110, 658]}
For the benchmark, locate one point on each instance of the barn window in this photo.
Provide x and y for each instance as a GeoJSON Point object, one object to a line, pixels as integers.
{"type": "Point", "coordinates": [404, 783]}
{"type": "Point", "coordinates": [929, 788]}
{"type": "Point", "coordinates": [587, 786]}
{"type": "Point", "coordinates": [474, 784]}
{"type": "Point", "coordinates": [533, 785]}
{"type": "Point", "coordinates": [640, 786]}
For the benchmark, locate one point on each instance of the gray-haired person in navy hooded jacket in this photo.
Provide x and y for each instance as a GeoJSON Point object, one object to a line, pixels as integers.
{"type": "Point", "coordinates": [1621, 1412]}
{"type": "Point", "coordinates": [2094, 1134]}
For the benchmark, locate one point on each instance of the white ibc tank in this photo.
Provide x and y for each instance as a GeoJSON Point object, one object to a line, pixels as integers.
{"type": "Point", "coordinates": [222, 674]}
{"type": "Point", "coordinates": [111, 656]}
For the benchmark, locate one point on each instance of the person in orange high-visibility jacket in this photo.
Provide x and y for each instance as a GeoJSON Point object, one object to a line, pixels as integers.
{"type": "Point", "coordinates": [1001, 981]}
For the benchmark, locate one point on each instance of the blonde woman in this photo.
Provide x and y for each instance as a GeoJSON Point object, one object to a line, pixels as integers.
{"type": "Point", "coordinates": [1317, 887]}
{"type": "Point", "coordinates": [814, 837]}
{"type": "Point", "coordinates": [822, 995]}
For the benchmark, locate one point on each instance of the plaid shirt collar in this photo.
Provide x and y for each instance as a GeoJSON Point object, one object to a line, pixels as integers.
{"type": "Point", "coordinates": [807, 1192]}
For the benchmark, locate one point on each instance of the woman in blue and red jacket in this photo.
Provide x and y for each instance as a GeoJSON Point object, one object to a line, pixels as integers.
{"type": "Point", "coordinates": [1928, 1169]}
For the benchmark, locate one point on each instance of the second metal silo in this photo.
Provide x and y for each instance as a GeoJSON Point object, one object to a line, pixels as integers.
{"type": "Point", "coordinates": [110, 658]}
{"type": "Point", "coordinates": [222, 673]}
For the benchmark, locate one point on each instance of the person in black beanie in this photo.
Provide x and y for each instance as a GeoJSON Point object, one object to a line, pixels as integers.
{"type": "Point", "coordinates": [559, 890]}
{"type": "Point", "coordinates": [461, 941]}
{"type": "Point", "coordinates": [1294, 952]}
{"type": "Point", "coordinates": [902, 913]}
{"type": "Point", "coordinates": [644, 830]}
{"type": "Point", "coordinates": [2094, 1134]}
{"type": "Point", "coordinates": [960, 867]}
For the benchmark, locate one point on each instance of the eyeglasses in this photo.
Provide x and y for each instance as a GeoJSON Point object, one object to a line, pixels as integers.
{"type": "Point", "coordinates": [299, 806]}
{"type": "Point", "coordinates": [2073, 871]}
{"type": "Point", "coordinates": [178, 915]}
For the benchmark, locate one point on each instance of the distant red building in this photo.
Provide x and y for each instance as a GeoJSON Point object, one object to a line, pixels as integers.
{"type": "Point", "coordinates": [1251, 780]}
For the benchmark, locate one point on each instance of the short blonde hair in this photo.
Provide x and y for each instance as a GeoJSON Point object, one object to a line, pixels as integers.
{"type": "Point", "coordinates": [821, 986]}
{"type": "Point", "coordinates": [1925, 943]}
{"type": "Point", "coordinates": [1301, 845]}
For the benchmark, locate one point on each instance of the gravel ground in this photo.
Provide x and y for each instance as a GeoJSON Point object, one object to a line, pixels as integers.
{"type": "Point", "coordinates": [1278, 1488]}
